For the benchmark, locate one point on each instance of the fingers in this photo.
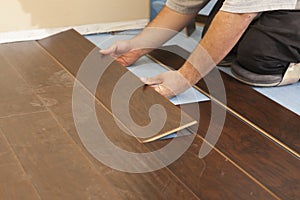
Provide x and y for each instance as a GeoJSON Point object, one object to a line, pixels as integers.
{"type": "Point", "coordinates": [168, 84]}
{"type": "Point", "coordinates": [111, 50]}
{"type": "Point", "coordinates": [151, 81]}
{"type": "Point", "coordinates": [122, 61]}
{"type": "Point", "coordinates": [156, 84]}
{"type": "Point", "coordinates": [165, 91]}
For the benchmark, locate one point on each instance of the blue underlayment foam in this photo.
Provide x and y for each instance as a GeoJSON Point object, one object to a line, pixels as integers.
{"type": "Point", "coordinates": [145, 67]}
{"type": "Point", "coordinates": [288, 96]}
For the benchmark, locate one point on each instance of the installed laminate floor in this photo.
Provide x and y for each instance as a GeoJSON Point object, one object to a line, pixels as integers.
{"type": "Point", "coordinates": [43, 155]}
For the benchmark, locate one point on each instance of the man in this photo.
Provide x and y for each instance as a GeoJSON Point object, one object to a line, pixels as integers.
{"type": "Point", "coordinates": [264, 34]}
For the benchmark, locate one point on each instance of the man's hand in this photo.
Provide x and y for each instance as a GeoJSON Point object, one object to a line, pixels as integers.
{"type": "Point", "coordinates": [165, 25]}
{"type": "Point", "coordinates": [168, 83]}
{"type": "Point", "coordinates": [124, 53]}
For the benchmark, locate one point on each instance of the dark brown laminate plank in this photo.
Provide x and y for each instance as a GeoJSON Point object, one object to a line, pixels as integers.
{"type": "Point", "coordinates": [74, 51]}
{"type": "Point", "coordinates": [215, 185]}
{"type": "Point", "coordinates": [270, 118]}
{"type": "Point", "coordinates": [267, 162]}
{"type": "Point", "coordinates": [114, 75]}
{"type": "Point", "coordinates": [54, 85]}
{"type": "Point", "coordinates": [231, 190]}
{"type": "Point", "coordinates": [16, 97]}
{"type": "Point", "coordinates": [214, 176]}
{"type": "Point", "coordinates": [54, 162]}
{"type": "Point", "coordinates": [211, 185]}
{"type": "Point", "coordinates": [14, 182]}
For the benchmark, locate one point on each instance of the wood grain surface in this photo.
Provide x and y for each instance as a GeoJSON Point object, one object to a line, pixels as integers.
{"type": "Point", "coordinates": [49, 147]}
{"type": "Point", "coordinates": [261, 158]}
{"type": "Point", "coordinates": [275, 166]}
{"type": "Point", "coordinates": [265, 115]}
{"type": "Point", "coordinates": [14, 182]}
{"type": "Point", "coordinates": [50, 161]}
{"type": "Point", "coordinates": [71, 44]}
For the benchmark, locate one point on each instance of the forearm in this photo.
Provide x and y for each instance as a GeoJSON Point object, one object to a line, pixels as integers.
{"type": "Point", "coordinates": [224, 32]}
{"type": "Point", "coordinates": [163, 27]}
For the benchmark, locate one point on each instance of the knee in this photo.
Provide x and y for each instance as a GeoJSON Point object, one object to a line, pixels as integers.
{"type": "Point", "coordinates": [257, 53]}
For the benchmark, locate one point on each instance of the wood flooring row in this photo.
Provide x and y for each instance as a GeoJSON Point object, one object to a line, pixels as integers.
{"type": "Point", "coordinates": [65, 46]}
{"type": "Point", "coordinates": [270, 118]}
{"type": "Point", "coordinates": [43, 157]}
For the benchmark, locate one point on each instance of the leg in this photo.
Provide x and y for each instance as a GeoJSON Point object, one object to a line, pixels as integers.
{"type": "Point", "coordinates": [271, 43]}
{"type": "Point", "coordinates": [268, 48]}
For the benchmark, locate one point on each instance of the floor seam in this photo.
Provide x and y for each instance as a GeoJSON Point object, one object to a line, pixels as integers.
{"type": "Point", "coordinates": [97, 100]}
{"type": "Point", "coordinates": [215, 148]}
{"type": "Point", "coordinates": [22, 114]}
{"type": "Point", "coordinates": [20, 164]}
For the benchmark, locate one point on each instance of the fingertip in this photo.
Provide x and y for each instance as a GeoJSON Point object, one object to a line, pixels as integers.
{"type": "Point", "coordinates": [147, 81]}
{"type": "Point", "coordinates": [143, 79]}
{"type": "Point", "coordinates": [156, 89]}
{"type": "Point", "coordinates": [109, 50]}
{"type": "Point", "coordinates": [103, 51]}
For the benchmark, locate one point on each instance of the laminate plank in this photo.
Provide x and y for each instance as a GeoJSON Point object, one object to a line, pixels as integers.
{"type": "Point", "coordinates": [130, 186]}
{"type": "Point", "coordinates": [155, 185]}
{"type": "Point", "coordinates": [159, 185]}
{"type": "Point", "coordinates": [16, 97]}
{"type": "Point", "coordinates": [71, 49]}
{"type": "Point", "coordinates": [55, 164]}
{"type": "Point", "coordinates": [115, 76]}
{"type": "Point", "coordinates": [14, 182]}
{"type": "Point", "coordinates": [143, 182]}
{"type": "Point", "coordinates": [267, 162]}
{"type": "Point", "coordinates": [211, 185]}
{"type": "Point", "coordinates": [212, 177]}
{"type": "Point", "coordinates": [252, 189]}
{"type": "Point", "coordinates": [267, 116]}
{"type": "Point", "coordinates": [24, 55]}
{"type": "Point", "coordinates": [270, 164]}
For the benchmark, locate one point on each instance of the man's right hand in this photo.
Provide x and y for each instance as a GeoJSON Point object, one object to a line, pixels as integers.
{"type": "Point", "coordinates": [123, 52]}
